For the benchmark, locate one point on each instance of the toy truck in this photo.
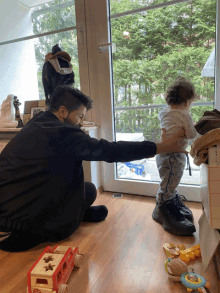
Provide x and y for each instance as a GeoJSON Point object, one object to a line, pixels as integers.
{"type": "Point", "coordinates": [190, 253]}
{"type": "Point", "coordinates": [52, 269]}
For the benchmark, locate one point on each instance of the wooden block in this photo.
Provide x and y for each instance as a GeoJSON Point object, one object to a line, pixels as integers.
{"type": "Point", "coordinates": [212, 156]}
{"type": "Point", "coordinates": [214, 174]}
{"type": "Point", "coordinates": [214, 186]}
{"type": "Point", "coordinates": [215, 212]}
{"type": "Point", "coordinates": [215, 200]}
{"type": "Point", "coordinates": [215, 223]}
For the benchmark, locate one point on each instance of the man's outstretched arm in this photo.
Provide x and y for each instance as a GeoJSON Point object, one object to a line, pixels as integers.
{"type": "Point", "coordinates": [83, 147]}
{"type": "Point", "coordinates": [170, 144]}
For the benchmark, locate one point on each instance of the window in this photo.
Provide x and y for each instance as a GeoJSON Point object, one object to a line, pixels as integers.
{"type": "Point", "coordinates": [154, 47]}
{"type": "Point", "coordinates": [27, 36]}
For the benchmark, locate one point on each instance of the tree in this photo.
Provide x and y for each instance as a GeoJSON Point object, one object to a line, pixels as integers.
{"type": "Point", "coordinates": [154, 48]}
{"type": "Point", "coordinates": [54, 20]}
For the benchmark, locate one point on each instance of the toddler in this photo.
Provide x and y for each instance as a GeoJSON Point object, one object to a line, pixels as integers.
{"type": "Point", "coordinates": [169, 210]}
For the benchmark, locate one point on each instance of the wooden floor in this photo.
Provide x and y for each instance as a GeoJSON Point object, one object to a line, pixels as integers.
{"type": "Point", "coordinates": [121, 254]}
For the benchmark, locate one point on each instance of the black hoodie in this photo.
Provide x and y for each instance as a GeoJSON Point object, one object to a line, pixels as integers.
{"type": "Point", "coordinates": [41, 173]}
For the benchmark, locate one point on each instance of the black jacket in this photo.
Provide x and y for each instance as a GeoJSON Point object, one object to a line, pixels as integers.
{"type": "Point", "coordinates": [41, 173]}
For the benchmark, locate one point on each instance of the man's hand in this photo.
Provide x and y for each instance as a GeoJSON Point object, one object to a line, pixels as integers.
{"type": "Point", "coordinates": [170, 144]}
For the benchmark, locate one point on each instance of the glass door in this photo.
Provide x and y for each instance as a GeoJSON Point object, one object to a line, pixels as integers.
{"type": "Point", "coordinates": [156, 42]}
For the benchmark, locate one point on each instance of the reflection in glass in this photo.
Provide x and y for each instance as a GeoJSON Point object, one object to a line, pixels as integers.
{"type": "Point", "coordinates": [68, 43]}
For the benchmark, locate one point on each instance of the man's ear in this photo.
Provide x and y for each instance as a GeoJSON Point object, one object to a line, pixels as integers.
{"type": "Point", "coordinates": [63, 112]}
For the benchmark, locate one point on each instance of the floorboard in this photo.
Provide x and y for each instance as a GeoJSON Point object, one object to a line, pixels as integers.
{"type": "Point", "coordinates": [124, 253]}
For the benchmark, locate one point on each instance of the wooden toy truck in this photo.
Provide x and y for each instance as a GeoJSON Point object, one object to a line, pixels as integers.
{"type": "Point", "coordinates": [52, 269]}
{"type": "Point", "coordinates": [190, 253]}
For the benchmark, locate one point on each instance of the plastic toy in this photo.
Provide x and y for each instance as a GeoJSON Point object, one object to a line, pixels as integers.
{"type": "Point", "coordinates": [190, 253]}
{"type": "Point", "coordinates": [173, 250]}
{"type": "Point", "coordinates": [52, 269]}
{"type": "Point", "coordinates": [179, 272]}
{"type": "Point", "coordinates": [138, 169]}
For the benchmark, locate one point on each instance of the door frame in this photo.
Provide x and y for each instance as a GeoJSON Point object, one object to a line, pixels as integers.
{"type": "Point", "coordinates": [101, 92]}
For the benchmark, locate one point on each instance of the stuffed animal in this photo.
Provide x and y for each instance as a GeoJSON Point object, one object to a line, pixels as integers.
{"type": "Point", "coordinates": [178, 271]}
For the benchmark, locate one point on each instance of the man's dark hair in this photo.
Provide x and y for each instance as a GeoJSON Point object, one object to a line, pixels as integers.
{"type": "Point", "coordinates": [69, 97]}
{"type": "Point", "coordinates": [181, 91]}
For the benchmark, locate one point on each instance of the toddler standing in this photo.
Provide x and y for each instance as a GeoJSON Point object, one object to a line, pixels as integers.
{"type": "Point", "coordinates": [169, 210]}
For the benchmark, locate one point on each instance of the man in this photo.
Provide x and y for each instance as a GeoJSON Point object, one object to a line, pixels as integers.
{"type": "Point", "coordinates": [42, 189]}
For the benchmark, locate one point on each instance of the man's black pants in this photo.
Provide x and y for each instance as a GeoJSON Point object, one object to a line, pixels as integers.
{"type": "Point", "coordinates": [22, 241]}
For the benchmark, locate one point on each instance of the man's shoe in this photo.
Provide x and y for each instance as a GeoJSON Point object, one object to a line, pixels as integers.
{"type": "Point", "coordinates": [184, 209]}
{"type": "Point", "coordinates": [173, 220]}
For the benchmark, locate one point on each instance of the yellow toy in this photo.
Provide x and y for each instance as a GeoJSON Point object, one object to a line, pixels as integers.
{"type": "Point", "coordinates": [52, 269]}
{"type": "Point", "coordinates": [173, 250]}
{"type": "Point", "coordinates": [190, 253]}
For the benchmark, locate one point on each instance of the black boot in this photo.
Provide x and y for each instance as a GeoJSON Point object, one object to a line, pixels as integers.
{"type": "Point", "coordinates": [184, 209]}
{"type": "Point", "coordinates": [169, 214]}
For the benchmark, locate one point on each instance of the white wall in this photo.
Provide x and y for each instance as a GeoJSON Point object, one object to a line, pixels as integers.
{"type": "Point", "coordinates": [18, 70]}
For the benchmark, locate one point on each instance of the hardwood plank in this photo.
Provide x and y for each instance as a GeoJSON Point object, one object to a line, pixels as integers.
{"type": "Point", "coordinates": [131, 265]}
{"type": "Point", "coordinates": [107, 245]}
{"type": "Point", "coordinates": [124, 253]}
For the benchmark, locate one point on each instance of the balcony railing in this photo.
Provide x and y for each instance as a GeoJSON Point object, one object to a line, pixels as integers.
{"type": "Point", "coordinates": [162, 106]}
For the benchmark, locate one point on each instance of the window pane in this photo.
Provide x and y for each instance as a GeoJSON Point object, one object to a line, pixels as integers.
{"type": "Point", "coordinates": [68, 43]}
{"type": "Point", "coordinates": [23, 22]}
{"type": "Point", "coordinates": [140, 125]}
{"type": "Point", "coordinates": [52, 16]}
{"type": "Point", "coordinates": [119, 6]}
{"type": "Point", "coordinates": [21, 71]}
{"type": "Point", "coordinates": [18, 75]}
{"type": "Point", "coordinates": [153, 49]}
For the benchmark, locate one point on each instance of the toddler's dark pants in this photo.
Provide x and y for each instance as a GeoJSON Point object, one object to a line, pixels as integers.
{"type": "Point", "coordinates": [22, 241]}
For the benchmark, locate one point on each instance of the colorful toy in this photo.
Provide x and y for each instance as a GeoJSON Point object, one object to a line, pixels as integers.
{"type": "Point", "coordinates": [173, 250]}
{"type": "Point", "coordinates": [179, 272]}
{"type": "Point", "coordinates": [52, 269]}
{"type": "Point", "coordinates": [190, 253]}
{"type": "Point", "coordinates": [138, 169]}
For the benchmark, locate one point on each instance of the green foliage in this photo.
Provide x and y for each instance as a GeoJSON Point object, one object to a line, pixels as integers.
{"type": "Point", "coordinates": [50, 21]}
{"type": "Point", "coordinates": [153, 48]}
